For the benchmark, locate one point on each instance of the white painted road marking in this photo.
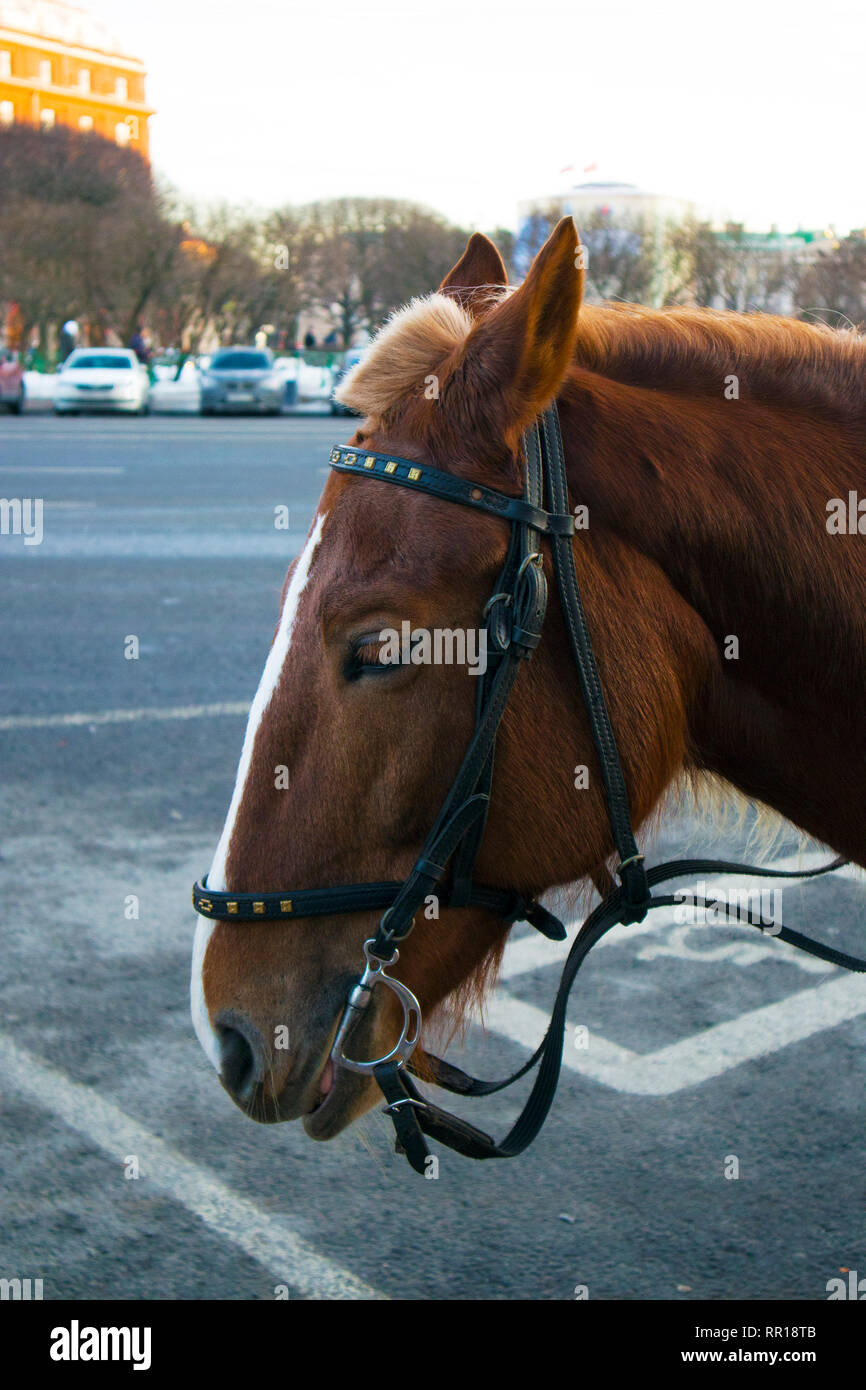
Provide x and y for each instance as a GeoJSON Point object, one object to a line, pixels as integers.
{"type": "Point", "coordinates": [46, 468]}
{"type": "Point", "coordinates": [268, 1239]}
{"type": "Point", "coordinates": [122, 716]}
{"type": "Point", "coordinates": [697, 1058]}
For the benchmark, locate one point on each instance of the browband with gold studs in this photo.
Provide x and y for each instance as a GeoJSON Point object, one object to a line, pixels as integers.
{"type": "Point", "coordinates": [420, 477]}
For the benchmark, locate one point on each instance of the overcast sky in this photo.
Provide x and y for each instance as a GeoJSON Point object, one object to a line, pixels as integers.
{"type": "Point", "coordinates": [753, 108]}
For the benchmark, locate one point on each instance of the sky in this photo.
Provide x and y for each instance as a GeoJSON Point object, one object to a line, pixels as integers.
{"type": "Point", "coordinates": [754, 109]}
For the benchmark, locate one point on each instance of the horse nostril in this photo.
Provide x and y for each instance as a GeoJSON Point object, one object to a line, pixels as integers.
{"type": "Point", "coordinates": [240, 1066]}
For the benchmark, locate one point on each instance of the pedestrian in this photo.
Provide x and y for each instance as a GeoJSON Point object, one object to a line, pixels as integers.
{"type": "Point", "coordinates": [69, 335]}
{"type": "Point", "coordinates": [139, 345]}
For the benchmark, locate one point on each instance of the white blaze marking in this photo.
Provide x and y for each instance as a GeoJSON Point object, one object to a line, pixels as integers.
{"type": "Point", "coordinates": [216, 877]}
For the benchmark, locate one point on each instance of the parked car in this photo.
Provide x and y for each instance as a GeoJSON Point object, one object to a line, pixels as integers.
{"type": "Point", "coordinates": [102, 379]}
{"type": "Point", "coordinates": [306, 380]}
{"type": "Point", "coordinates": [350, 359]}
{"type": "Point", "coordinates": [241, 379]}
{"type": "Point", "coordinates": [11, 382]}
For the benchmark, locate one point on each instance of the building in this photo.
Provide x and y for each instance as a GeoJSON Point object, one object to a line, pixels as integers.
{"type": "Point", "coordinates": [622, 202]}
{"type": "Point", "coordinates": [761, 270]}
{"type": "Point", "coordinates": [59, 65]}
{"type": "Point", "coordinates": [632, 213]}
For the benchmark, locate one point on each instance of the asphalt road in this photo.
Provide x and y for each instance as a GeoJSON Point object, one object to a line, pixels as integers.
{"type": "Point", "coordinates": [704, 1043]}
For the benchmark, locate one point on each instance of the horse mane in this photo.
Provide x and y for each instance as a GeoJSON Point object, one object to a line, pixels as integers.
{"type": "Point", "coordinates": [776, 360]}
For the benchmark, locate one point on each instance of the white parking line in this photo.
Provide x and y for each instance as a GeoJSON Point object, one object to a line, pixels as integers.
{"type": "Point", "coordinates": [122, 716]}
{"type": "Point", "coordinates": [694, 1059]}
{"type": "Point", "coordinates": [46, 468]}
{"type": "Point", "coordinates": [268, 1239]}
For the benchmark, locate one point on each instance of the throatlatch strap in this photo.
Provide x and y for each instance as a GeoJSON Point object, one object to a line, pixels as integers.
{"type": "Point", "coordinates": [631, 866]}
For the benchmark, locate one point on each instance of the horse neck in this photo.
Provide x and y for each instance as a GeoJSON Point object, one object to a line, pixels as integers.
{"type": "Point", "coordinates": [729, 499]}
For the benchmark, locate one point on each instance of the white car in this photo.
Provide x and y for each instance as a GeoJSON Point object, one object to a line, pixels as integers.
{"type": "Point", "coordinates": [102, 379]}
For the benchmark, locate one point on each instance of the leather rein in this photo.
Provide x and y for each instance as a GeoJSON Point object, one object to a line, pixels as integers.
{"type": "Point", "coordinates": [513, 616]}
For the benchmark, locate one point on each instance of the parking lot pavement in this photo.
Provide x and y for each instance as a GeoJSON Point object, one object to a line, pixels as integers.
{"type": "Point", "coordinates": [692, 1052]}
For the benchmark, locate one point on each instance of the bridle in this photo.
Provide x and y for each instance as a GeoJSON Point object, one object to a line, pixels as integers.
{"type": "Point", "coordinates": [513, 617]}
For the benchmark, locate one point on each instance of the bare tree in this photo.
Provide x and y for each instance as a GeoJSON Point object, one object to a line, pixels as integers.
{"type": "Point", "coordinates": [366, 256]}
{"type": "Point", "coordinates": [833, 285]}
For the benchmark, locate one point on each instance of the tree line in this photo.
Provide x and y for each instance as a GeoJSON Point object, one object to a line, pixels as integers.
{"type": "Point", "coordinates": [87, 232]}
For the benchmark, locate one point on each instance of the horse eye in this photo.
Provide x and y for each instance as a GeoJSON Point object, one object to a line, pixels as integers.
{"type": "Point", "coordinates": [365, 658]}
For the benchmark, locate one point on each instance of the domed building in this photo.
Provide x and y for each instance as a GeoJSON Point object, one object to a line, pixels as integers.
{"type": "Point", "coordinates": [61, 65]}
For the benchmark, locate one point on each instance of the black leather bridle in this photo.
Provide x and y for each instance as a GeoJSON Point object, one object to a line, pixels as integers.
{"type": "Point", "coordinates": [513, 617]}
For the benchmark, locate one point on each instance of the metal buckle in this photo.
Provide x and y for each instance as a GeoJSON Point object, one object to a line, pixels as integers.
{"type": "Point", "coordinates": [632, 859]}
{"type": "Point", "coordinates": [534, 557]}
{"type": "Point", "coordinates": [491, 602]}
{"type": "Point", "coordinates": [359, 999]}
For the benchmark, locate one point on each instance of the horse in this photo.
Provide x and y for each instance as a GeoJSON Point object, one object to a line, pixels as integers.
{"type": "Point", "coordinates": [715, 460]}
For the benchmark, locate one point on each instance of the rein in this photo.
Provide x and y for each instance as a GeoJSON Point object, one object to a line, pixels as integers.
{"type": "Point", "coordinates": [514, 616]}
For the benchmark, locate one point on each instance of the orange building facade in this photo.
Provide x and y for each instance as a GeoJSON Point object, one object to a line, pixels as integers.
{"type": "Point", "coordinates": [59, 65]}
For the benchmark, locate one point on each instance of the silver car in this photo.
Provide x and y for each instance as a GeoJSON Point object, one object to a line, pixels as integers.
{"type": "Point", "coordinates": [241, 379]}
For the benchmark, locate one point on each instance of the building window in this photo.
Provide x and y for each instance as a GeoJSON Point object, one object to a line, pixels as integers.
{"type": "Point", "coordinates": [121, 89]}
{"type": "Point", "coordinates": [84, 79]}
{"type": "Point", "coordinates": [121, 133]}
{"type": "Point", "coordinates": [85, 123]}
{"type": "Point", "coordinates": [7, 113]}
{"type": "Point", "coordinates": [46, 118]}
{"type": "Point", "coordinates": [5, 63]}
{"type": "Point", "coordinates": [45, 71]}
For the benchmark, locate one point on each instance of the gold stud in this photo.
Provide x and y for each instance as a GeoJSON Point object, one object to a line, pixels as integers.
{"type": "Point", "coordinates": [206, 904]}
{"type": "Point", "coordinates": [414, 474]}
{"type": "Point", "coordinates": [476, 494]}
{"type": "Point", "coordinates": [258, 907]}
{"type": "Point", "coordinates": [232, 907]}
{"type": "Point", "coordinates": [370, 461]}
{"type": "Point", "coordinates": [285, 904]}
{"type": "Point", "coordinates": [391, 467]}
{"type": "Point", "coordinates": [335, 456]}
{"type": "Point", "coordinates": [351, 458]}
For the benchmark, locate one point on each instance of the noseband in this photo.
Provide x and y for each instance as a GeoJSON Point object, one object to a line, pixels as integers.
{"type": "Point", "coordinates": [513, 617]}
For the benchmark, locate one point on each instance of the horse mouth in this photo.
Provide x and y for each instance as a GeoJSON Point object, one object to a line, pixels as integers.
{"type": "Point", "coordinates": [340, 1091]}
{"type": "Point", "coordinates": [337, 1102]}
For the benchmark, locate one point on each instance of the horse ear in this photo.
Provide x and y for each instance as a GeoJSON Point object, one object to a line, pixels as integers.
{"type": "Point", "coordinates": [480, 268]}
{"type": "Point", "coordinates": [515, 359]}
